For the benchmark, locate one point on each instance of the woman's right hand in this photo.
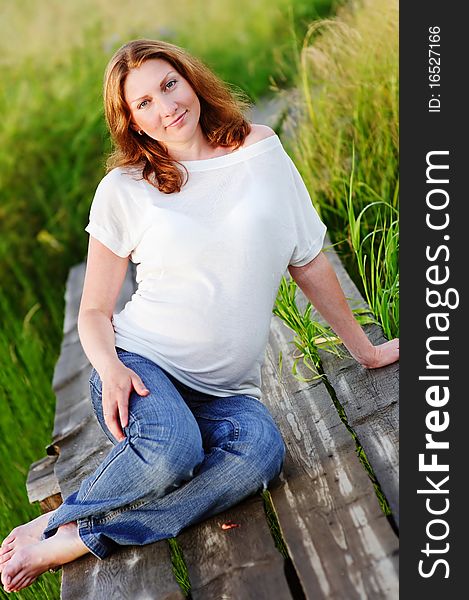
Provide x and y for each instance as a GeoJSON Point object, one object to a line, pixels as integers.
{"type": "Point", "coordinates": [118, 382]}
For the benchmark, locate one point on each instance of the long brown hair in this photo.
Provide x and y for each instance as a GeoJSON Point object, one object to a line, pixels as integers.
{"type": "Point", "coordinates": [221, 111]}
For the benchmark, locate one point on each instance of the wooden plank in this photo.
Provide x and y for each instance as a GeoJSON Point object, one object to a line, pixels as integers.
{"type": "Point", "coordinates": [81, 451]}
{"type": "Point", "coordinates": [340, 542]}
{"type": "Point", "coordinates": [73, 404]}
{"type": "Point", "coordinates": [240, 563]}
{"type": "Point", "coordinates": [369, 397]}
{"type": "Point", "coordinates": [370, 400]}
{"type": "Point", "coordinates": [42, 485]}
{"type": "Point", "coordinates": [72, 358]}
{"type": "Point", "coordinates": [131, 573]}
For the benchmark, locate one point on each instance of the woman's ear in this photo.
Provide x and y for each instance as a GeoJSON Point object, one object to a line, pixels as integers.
{"type": "Point", "coordinates": [135, 128]}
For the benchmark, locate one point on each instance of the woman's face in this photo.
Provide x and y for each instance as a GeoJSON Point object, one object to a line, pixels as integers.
{"type": "Point", "coordinates": [157, 95]}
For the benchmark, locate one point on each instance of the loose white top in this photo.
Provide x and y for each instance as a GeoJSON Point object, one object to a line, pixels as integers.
{"type": "Point", "coordinates": [209, 261]}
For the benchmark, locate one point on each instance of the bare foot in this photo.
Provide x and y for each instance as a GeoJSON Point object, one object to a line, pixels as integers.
{"type": "Point", "coordinates": [23, 535]}
{"type": "Point", "coordinates": [30, 561]}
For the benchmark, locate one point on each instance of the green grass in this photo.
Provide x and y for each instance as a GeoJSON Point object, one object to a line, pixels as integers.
{"type": "Point", "coordinates": [308, 330]}
{"type": "Point", "coordinates": [179, 566]}
{"type": "Point", "coordinates": [274, 524]}
{"type": "Point", "coordinates": [27, 413]}
{"type": "Point", "coordinates": [377, 256]}
{"type": "Point", "coordinates": [346, 144]}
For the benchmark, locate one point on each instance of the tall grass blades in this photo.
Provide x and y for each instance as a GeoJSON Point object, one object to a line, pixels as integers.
{"type": "Point", "coordinates": [377, 255]}
{"type": "Point", "coordinates": [348, 122]}
{"type": "Point", "coordinates": [310, 333]}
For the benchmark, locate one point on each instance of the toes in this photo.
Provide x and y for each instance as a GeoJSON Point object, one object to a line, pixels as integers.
{"type": "Point", "coordinates": [6, 548]}
{"type": "Point", "coordinates": [4, 559]}
{"type": "Point", "coordinates": [21, 583]}
{"type": "Point", "coordinates": [14, 580]}
{"type": "Point", "coordinates": [10, 538]}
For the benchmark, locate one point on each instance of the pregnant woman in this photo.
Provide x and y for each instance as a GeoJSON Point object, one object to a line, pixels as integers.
{"type": "Point", "coordinates": [213, 212]}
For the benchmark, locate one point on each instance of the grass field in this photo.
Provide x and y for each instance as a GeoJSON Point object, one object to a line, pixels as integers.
{"type": "Point", "coordinates": [347, 144]}
{"type": "Point", "coordinates": [53, 143]}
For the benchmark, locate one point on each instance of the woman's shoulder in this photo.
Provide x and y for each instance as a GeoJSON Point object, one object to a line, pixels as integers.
{"type": "Point", "coordinates": [120, 185]}
{"type": "Point", "coordinates": [258, 132]}
{"type": "Point", "coordinates": [121, 177]}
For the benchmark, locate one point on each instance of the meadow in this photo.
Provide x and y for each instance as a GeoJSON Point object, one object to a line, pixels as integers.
{"type": "Point", "coordinates": [53, 144]}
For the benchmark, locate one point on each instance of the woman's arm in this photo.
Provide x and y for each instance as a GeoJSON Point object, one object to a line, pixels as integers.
{"type": "Point", "coordinates": [320, 285]}
{"type": "Point", "coordinates": [105, 274]}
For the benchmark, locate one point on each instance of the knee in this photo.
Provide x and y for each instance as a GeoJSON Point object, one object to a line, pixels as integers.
{"type": "Point", "coordinates": [171, 443]}
{"type": "Point", "coordinates": [182, 458]}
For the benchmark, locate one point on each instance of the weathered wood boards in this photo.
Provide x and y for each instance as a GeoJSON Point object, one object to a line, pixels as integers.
{"type": "Point", "coordinates": [370, 401]}
{"type": "Point", "coordinates": [42, 485]}
{"type": "Point", "coordinates": [340, 542]}
{"type": "Point", "coordinates": [241, 563]}
{"type": "Point", "coordinates": [369, 398]}
{"type": "Point", "coordinates": [132, 573]}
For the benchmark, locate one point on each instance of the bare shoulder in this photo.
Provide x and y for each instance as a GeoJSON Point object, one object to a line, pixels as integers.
{"type": "Point", "coordinates": [258, 132]}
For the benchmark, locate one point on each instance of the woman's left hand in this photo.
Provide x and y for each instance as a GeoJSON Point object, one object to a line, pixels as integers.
{"type": "Point", "coordinates": [382, 355]}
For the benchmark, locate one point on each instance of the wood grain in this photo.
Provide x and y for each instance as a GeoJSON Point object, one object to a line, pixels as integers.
{"type": "Point", "coordinates": [131, 573]}
{"type": "Point", "coordinates": [236, 564]}
{"type": "Point", "coordinates": [340, 542]}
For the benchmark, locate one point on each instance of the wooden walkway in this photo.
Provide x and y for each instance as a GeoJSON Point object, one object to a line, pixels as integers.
{"type": "Point", "coordinates": [341, 545]}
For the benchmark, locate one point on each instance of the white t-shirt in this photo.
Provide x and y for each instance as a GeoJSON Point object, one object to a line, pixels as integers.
{"type": "Point", "coordinates": [209, 261]}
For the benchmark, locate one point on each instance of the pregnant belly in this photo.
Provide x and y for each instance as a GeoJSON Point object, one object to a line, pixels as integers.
{"type": "Point", "coordinates": [194, 342]}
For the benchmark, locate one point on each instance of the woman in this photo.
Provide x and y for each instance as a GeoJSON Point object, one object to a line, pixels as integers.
{"type": "Point", "coordinates": [212, 211]}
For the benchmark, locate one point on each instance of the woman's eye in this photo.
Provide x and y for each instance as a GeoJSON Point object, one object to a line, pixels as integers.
{"type": "Point", "coordinates": [172, 81]}
{"type": "Point", "coordinates": [142, 104]}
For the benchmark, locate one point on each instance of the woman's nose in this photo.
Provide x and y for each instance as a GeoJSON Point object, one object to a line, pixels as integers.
{"type": "Point", "coordinates": [168, 108]}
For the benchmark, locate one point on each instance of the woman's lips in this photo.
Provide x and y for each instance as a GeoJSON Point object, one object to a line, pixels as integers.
{"type": "Point", "coordinates": [180, 120]}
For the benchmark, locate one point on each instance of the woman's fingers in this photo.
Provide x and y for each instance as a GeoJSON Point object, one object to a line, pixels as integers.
{"type": "Point", "coordinates": [113, 400]}
{"type": "Point", "coordinates": [386, 353]}
{"type": "Point", "coordinates": [116, 402]}
{"type": "Point", "coordinates": [123, 404]}
{"type": "Point", "coordinates": [112, 420]}
{"type": "Point", "coordinates": [138, 385]}
{"type": "Point", "coordinates": [123, 410]}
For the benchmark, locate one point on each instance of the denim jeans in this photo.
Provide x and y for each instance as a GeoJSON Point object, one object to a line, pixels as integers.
{"type": "Point", "coordinates": [186, 456]}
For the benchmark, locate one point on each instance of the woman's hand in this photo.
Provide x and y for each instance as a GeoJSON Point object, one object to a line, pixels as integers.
{"type": "Point", "coordinates": [117, 384]}
{"type": "Point", "coordinates": [382, 355]}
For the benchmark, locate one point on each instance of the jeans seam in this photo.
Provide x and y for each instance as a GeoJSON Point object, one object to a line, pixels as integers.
{"type": "Point", "coordinates": [117, 511]}
{"type": "Point", "coordinates": [89, 539]}
{"type": "Point", "coordinates": [92, 483]}
{"type": "Point", "coordinates": [95, 388]}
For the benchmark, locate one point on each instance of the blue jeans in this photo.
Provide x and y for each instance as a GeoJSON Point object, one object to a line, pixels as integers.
{"type": "Point", "coordinates": [186, 456]}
